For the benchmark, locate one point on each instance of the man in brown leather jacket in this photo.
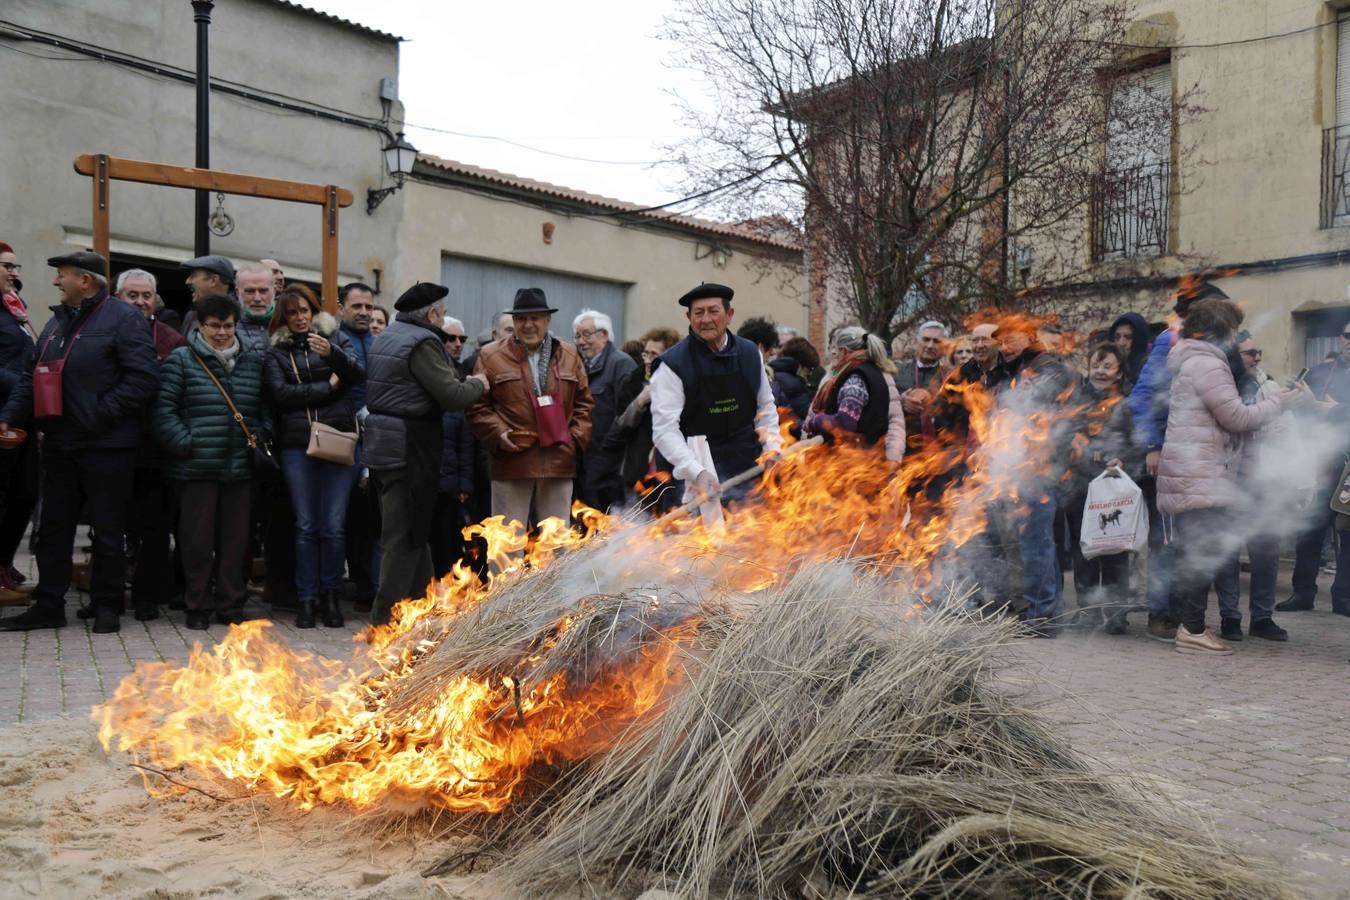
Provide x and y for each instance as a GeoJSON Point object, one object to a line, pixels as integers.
{"type": "Point", "coordinates": [536, 415]}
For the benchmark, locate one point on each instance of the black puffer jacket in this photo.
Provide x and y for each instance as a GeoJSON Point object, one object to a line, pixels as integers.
{"type": "Point", "coordinates": [312, 398]}
{"type": "Point", "coordinates": [110, 377]}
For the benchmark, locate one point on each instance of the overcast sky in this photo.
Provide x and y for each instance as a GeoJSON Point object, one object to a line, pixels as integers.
{"type": "Point", "coordinates": [589, 79]}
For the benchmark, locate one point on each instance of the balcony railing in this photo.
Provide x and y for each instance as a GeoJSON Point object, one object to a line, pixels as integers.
{"type": "Point", "coordinates": [1335, 180]}
{"type": "Point", "coordinates": [1131, 210]}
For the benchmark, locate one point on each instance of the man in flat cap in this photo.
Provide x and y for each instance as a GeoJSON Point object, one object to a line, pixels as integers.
{"type": "Point", "coordinates": [94, 377]}
{"type": "Point", "coordinates": [410, 381]}
{"type": "Point", "coordinates": [713, 384]}
{"type": "Point", "coordinates": [536, 416]}
{"type": "Point", "coordinates": [209, 275]}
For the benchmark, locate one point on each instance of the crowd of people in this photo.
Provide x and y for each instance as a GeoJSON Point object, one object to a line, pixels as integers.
{"type": "Point", "coordinates": [337, 459]}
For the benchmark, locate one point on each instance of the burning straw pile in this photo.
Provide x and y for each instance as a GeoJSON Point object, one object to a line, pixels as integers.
{"type": "Point", "coordinates": [823, 742]}
{"type": "Point", "coordinates": [672, 707]}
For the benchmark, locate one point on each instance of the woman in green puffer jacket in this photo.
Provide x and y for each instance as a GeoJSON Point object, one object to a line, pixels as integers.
{"type": "Point", "coordinates": [207, 456]}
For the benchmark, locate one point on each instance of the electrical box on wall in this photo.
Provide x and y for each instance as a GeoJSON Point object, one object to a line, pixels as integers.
{"type": "Point", "coordinates": [389, 89]}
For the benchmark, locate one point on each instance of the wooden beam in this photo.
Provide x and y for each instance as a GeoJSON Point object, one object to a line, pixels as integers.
{"type": "Point", "coordinates": [330, 249]}
{"type": "Point", "coordinates": [99, 180]}
{"type": "Point", "coordinates": [119, 169]}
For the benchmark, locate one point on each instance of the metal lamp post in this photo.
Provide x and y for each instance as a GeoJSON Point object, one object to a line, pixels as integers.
{"type": "Point", "coordinates": [201, 14]}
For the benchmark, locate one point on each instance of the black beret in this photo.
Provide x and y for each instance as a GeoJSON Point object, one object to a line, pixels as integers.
{"type": "Point", "coordinates": [707, 289]}
{"type": "Point", "coordinates": [82, 260]}
{"type": "Point", "coordinates": [420, 296]}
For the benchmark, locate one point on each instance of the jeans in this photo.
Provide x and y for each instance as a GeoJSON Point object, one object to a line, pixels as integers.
{"type": "Point", "coordinates": [1340, 588]}
{"type": "Point", "coordinates": [1308, 546]}
{"type": "Point", "coordinates": [319, 492]}
{"type": "Point", "coordinates": [101, 481]}
{"type": "Point", "coordinates": [1042, 580]}
{"type": "Point", "coordinates": [1162, 600]}
{"type": "Point", "coordinates": [1264, 552]}
{"type": "Point", "coordinates": [1205, 544]}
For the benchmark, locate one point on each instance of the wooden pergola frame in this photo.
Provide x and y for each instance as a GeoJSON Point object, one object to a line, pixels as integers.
{"type": "Point", "coordinates": [103, 169]}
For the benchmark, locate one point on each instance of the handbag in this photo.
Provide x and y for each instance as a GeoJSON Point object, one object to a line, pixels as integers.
{"type": "Point", "coordinates": [259, 454]}
{"type": "Point", "coordinates": [47, 391]}
{"type": "Point", "coordinates": [326, 442]}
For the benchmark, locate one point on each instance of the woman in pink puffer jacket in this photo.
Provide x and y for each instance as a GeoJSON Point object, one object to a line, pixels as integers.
{"type": "Point", "coordinates": [1197, 475]}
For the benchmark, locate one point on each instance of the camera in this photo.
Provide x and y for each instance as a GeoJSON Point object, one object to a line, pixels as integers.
{"type": "Point", "coordinates": [300, 341]}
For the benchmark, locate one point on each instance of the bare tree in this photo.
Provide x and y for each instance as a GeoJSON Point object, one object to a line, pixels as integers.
{"type": "Point", "coordinates": [915, 141]}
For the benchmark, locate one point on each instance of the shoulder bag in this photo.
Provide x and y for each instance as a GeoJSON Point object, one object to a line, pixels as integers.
{"type": "Point", "coordinates": [326, 442]}
{"type": "Point", "coordinates": [47, 390]}
{"type": "Point", "coordinates": [260, 455]}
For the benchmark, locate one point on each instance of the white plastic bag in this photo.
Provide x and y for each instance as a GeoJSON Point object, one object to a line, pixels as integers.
{"type": "Point", "coordinates": [1115, 519]}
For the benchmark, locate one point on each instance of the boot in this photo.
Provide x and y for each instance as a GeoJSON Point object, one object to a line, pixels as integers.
{"type": "Point", "coordinates": [107, 620]}
{"type": "Point", "coordinates": [39, 615]}
{"type": "Point", "coordinates": [146, 612]}
{"type": "Point", "coordinates": [330, 609]}
{"type": "Point", "coordinates": [304, 616]}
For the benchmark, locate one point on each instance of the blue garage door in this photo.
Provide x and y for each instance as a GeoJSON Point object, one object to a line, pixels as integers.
{"type": "Point", "coordinates": [479, 289]}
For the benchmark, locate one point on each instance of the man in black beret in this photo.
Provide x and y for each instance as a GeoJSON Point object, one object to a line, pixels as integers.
{"type": "Point", "coordinates": [94, 377]}
{"type": "Point", "coordinates": [410, 381]}
{"type": "Point", "coordinates": [713, 384]}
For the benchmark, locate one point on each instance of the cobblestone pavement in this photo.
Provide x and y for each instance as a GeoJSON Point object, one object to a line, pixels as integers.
{"type": "Point", "coordinates": [1258, 741]}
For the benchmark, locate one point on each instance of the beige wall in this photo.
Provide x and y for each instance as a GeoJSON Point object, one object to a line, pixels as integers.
{"type": "Point", "coordinates": [1249, 163]}
{"type": "Point", "coordinates": [658, 266]}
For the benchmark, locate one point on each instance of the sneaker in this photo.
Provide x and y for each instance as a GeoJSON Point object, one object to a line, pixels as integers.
{"type": "Point", "coordinates": [1161, 628]}
{"type": "Point", "coordinates": [1231, 630]}
{"type": "Point", "coordinates": [1203, 643]}
{"type": "Point", "coordinates": [1295, 604]}
{"type": "Point", "coordinates": [1266, 628]}
{"type": "Point", "coordinates": [37, 616]}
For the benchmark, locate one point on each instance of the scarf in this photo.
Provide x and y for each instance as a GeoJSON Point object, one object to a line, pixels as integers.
{"type": "Point", "coordinates": [16, 307]}
{"type": "Point", "coordinates": [845, 369]}
{"type": "Point", "coordinates": [261, 318]}
{"type": "Point", "coordinates": [540, 372]}
{"type": "Point", "coordinates": [227, 357]}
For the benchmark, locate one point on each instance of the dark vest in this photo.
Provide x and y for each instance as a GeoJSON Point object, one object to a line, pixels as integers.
{"type": "Point", "coordinates": [876, 415]}
{"type": "Point", "coordinates": [720, 395]}
{"type": "Point", "coordinates": [400, 408]}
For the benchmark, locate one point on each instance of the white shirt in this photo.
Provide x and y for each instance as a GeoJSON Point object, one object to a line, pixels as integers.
{"type": "Point", "coordinates": [668, 404]}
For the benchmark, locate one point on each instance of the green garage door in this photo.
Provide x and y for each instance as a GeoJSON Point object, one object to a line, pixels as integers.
{"type": "Point", "coordinates": [479, 289]}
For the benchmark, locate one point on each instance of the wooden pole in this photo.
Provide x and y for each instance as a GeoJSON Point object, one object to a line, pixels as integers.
{"type": "Point", "coordinates": [330, 250]}
{"type": "Point", "coordinates": [102, 236]}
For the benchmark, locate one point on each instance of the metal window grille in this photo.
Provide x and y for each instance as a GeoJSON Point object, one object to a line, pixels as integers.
{"type": "Point", "coordinates": [1131, 212]}
{"type": "Point", "coordinates": [1335, 183]}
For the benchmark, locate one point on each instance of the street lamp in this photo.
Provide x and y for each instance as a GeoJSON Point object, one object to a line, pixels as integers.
{"type": "Point", "coordinates": [201, 14]}
{"type": "Point", "coordinates": [399, 156]}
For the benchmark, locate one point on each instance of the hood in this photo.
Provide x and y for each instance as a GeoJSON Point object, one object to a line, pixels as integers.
{"type": "Point", "coordinates": [1142, 339]}
{"type": "Point", "coordinates": [323, 324]}
{"type": "Point", "coordinates": [1190, 348]}
{"type": "Point", "coordinates": [785, 364]}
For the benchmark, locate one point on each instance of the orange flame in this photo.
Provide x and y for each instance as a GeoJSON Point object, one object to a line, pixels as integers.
{"type": "Point", "coordinates": [277, 720]}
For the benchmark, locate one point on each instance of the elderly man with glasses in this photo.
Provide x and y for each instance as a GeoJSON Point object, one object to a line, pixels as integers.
{"type": "Point", "coordinates": [607, 367]}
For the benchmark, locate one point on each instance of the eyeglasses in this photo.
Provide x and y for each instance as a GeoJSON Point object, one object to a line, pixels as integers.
{"type": "Point", "coordinates": [457, 338]}
{"type": "Point", "coordinates": [13, 267]}
{"type": "Point", "coordinates": [586, 335]}
{"type": "Point", "coordinates": [1256, 354]}
{"type": "Point", "coordinates": [218, 326]}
